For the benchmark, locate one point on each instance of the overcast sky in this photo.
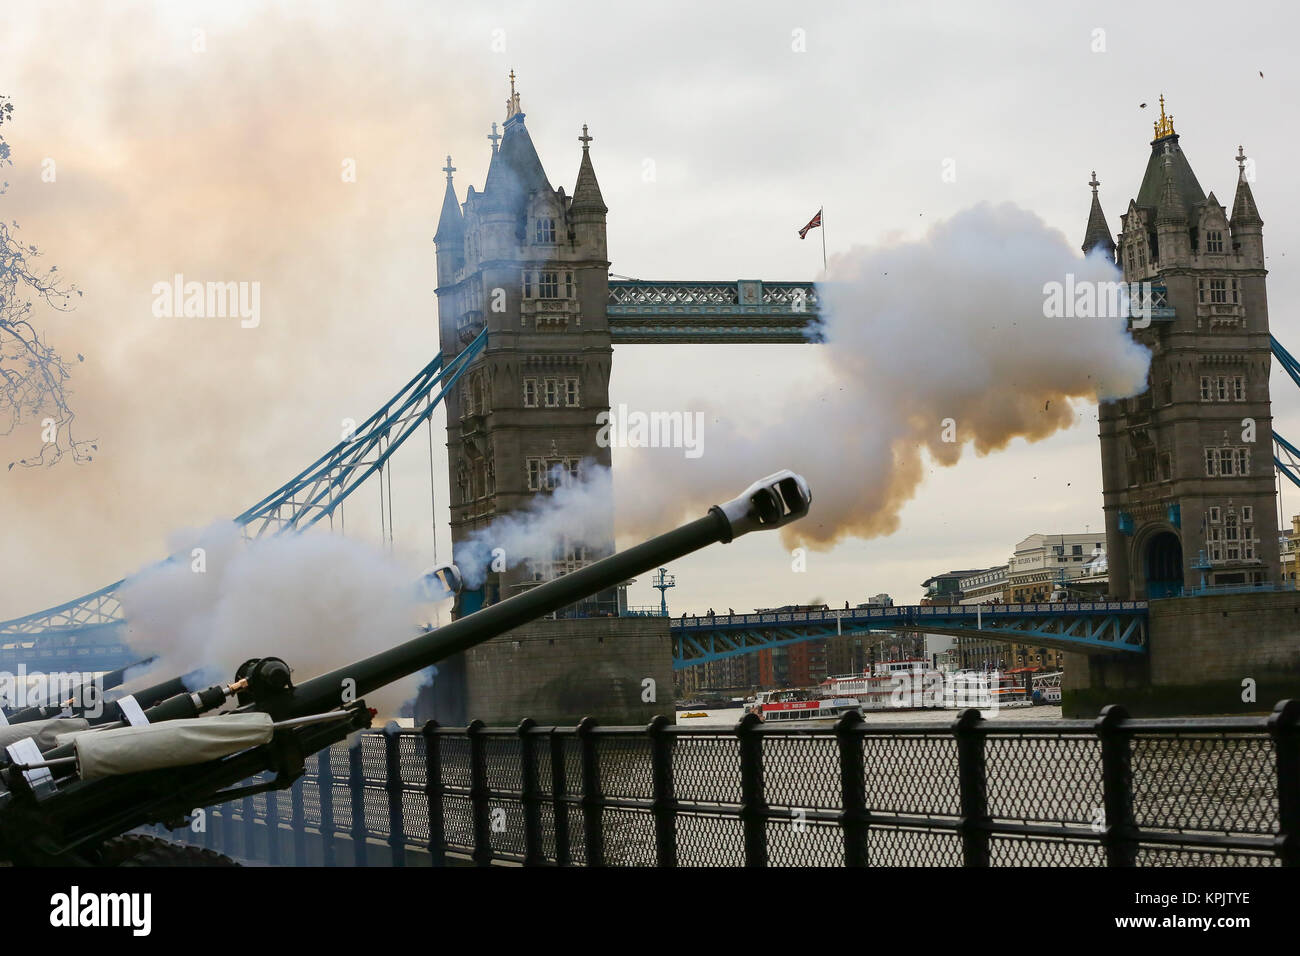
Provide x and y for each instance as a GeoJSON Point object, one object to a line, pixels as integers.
{"type": "Point", "coordinates": [224, 163]}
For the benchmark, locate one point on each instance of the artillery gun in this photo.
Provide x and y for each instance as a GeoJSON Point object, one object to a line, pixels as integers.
{"type": "Point", "coordinates": [72, 792]}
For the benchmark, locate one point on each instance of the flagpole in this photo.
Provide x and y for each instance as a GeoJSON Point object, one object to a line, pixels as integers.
{"type": "Point", "coordinates": [823, 215]}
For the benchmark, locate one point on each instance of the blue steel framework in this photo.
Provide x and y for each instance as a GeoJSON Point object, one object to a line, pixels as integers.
{"type": "Point", "coordinates": [1289, 469]}
{"type": "Point", "coordinates": [1102, 627]}
{"type": "Point", "coordinates": [85, 632]}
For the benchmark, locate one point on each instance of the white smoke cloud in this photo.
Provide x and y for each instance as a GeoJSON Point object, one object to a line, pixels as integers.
{"type": "Point", "coordinates": [948, 326]}
{"type": "Point", "coordinates": [318, 601]}
{"type": "Point", "coordinates": [577, 512]}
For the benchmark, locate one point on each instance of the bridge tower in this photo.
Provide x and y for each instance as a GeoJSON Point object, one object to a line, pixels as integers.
{"type": "Point", "coordinates": [1187, 465]}
{"type": "Point", "coordinates": [529, 264]}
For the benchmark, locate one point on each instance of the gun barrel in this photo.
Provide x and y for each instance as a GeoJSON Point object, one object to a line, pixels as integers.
{"type": "Point", "coordinates": [76, 695]}
{"type": "Point", "coordinates": [770, 503]}
{"type": "Point", "coordinates": [148, 697]}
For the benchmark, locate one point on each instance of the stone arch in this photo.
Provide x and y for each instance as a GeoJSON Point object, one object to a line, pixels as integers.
{"type": "Point", "coordinates": [1158, 566]}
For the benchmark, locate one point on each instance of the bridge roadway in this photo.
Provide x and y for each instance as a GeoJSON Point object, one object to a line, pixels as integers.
{"type": "Point", "coordinates": [1101, 627]}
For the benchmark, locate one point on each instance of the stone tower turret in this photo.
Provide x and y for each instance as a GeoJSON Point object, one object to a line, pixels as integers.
{"type": "Point", "coordinates": [529, 265]}
{"type": "Point", "coordinates": [1187, 466]}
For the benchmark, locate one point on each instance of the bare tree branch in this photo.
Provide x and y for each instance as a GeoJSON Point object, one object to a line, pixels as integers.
{"type": "Point", "coordinates": [33, 376]}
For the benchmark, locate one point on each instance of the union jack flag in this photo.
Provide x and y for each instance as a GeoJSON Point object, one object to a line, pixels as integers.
{"type": "Point", "coordinates": [812, 224]}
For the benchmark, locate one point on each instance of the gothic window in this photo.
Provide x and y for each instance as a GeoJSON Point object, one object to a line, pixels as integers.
{"type": "Point", "coordinates": [530, 393]}
{"type": "Point", "coordinates": [545, 231]}
{"type": "Point", "coordinates": [1206, 394]}
{"type": "Point", "coordinates": [1213, 241]}
{"type": "Point", "coordinates": [568, 285]}
{"type": "Point", "coordinates": [1132, 261]}
{"type": "Point", "coordinates": [1166, 467]}
{"type": "Point", "coordinates": [552, 393]}
{"type": "Point", "coordinates": [571, 395]}
{"type": "Point", "coordinates": [1148, 466]}
{"type": "Point", "coordinates": [1234, 292]}
{"type": "Point", "coordinates": [548, 285]}
{"type": "Point", "coordinates": [1218, 291]}
{"type": "Point", "coordinates": [528, 285]}
{"type": "Point", "coordinates": [547, 473]}
{"type": "Point", "coordinates": [467, 400]}
{"type": "Point", "coordinates": [1214, 515]}
{"type": "Point", "coordinates": [536, 474]}
{"type": "Point", "coordinates": [1221, 388]}
{"type": "Point", "coordinates": [1238, 388]}
{"type": "Point", "coordinates": [1226, 462]}
{"type": "Point", "coordinates": [1247, 513]}
{"type": "Point", "coordinates": [1232, 538]}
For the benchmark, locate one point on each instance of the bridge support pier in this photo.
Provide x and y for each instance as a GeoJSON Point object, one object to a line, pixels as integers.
{"type": "Point", "coordinates": [1211, 654]}
{"type": "Point", "coordinates": [617, 670]}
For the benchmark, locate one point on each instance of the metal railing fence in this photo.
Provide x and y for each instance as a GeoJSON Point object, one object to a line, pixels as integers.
{"type": "Point", "coordinates": [1114, 791]}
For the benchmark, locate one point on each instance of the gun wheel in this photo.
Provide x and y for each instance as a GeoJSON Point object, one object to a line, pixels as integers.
{"type": "Point", "coordinates": [139, 849]}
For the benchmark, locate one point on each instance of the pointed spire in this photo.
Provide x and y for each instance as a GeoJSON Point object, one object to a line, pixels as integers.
{"type": "Point", "coordinates": [512, 104]}
{"type": "Point", "coordinates": [1244, 210]}
{"type": "Point", "coordinates": [1098, 231]}
{"type": "Point", "coordinates": [586, 192]}
{"type": "Point", "coordinates": [451, 225]}
{"type": "Point", "coordinates": [495, 137]}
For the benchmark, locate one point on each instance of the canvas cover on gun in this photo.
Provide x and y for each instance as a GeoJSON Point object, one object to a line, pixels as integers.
{"type": "Point", "coordinates": [173, 743]}
{"type": "Point", "coordinates": [46, 732]}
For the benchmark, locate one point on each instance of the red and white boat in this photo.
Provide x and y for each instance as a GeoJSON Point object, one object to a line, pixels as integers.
{"type": "Point", "coordinates": [785, 707]}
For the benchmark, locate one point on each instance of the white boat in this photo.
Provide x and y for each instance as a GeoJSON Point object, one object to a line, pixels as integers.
{"type": "Point", "coordinates": [799, 708]}
{"type": "Point", "coordinates": [911, 684]}
{"type": "Point", "coordinates": [891, 685]}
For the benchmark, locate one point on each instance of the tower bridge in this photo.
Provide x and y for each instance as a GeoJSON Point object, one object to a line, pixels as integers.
{"type": "Point", "coordinates": [529, 313]}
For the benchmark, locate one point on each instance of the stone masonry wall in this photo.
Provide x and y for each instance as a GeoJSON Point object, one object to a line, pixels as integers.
{"type": "Point", "coordinates": [1201, 651]}
{"type": "Point", "coordinates": [558, 672]}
